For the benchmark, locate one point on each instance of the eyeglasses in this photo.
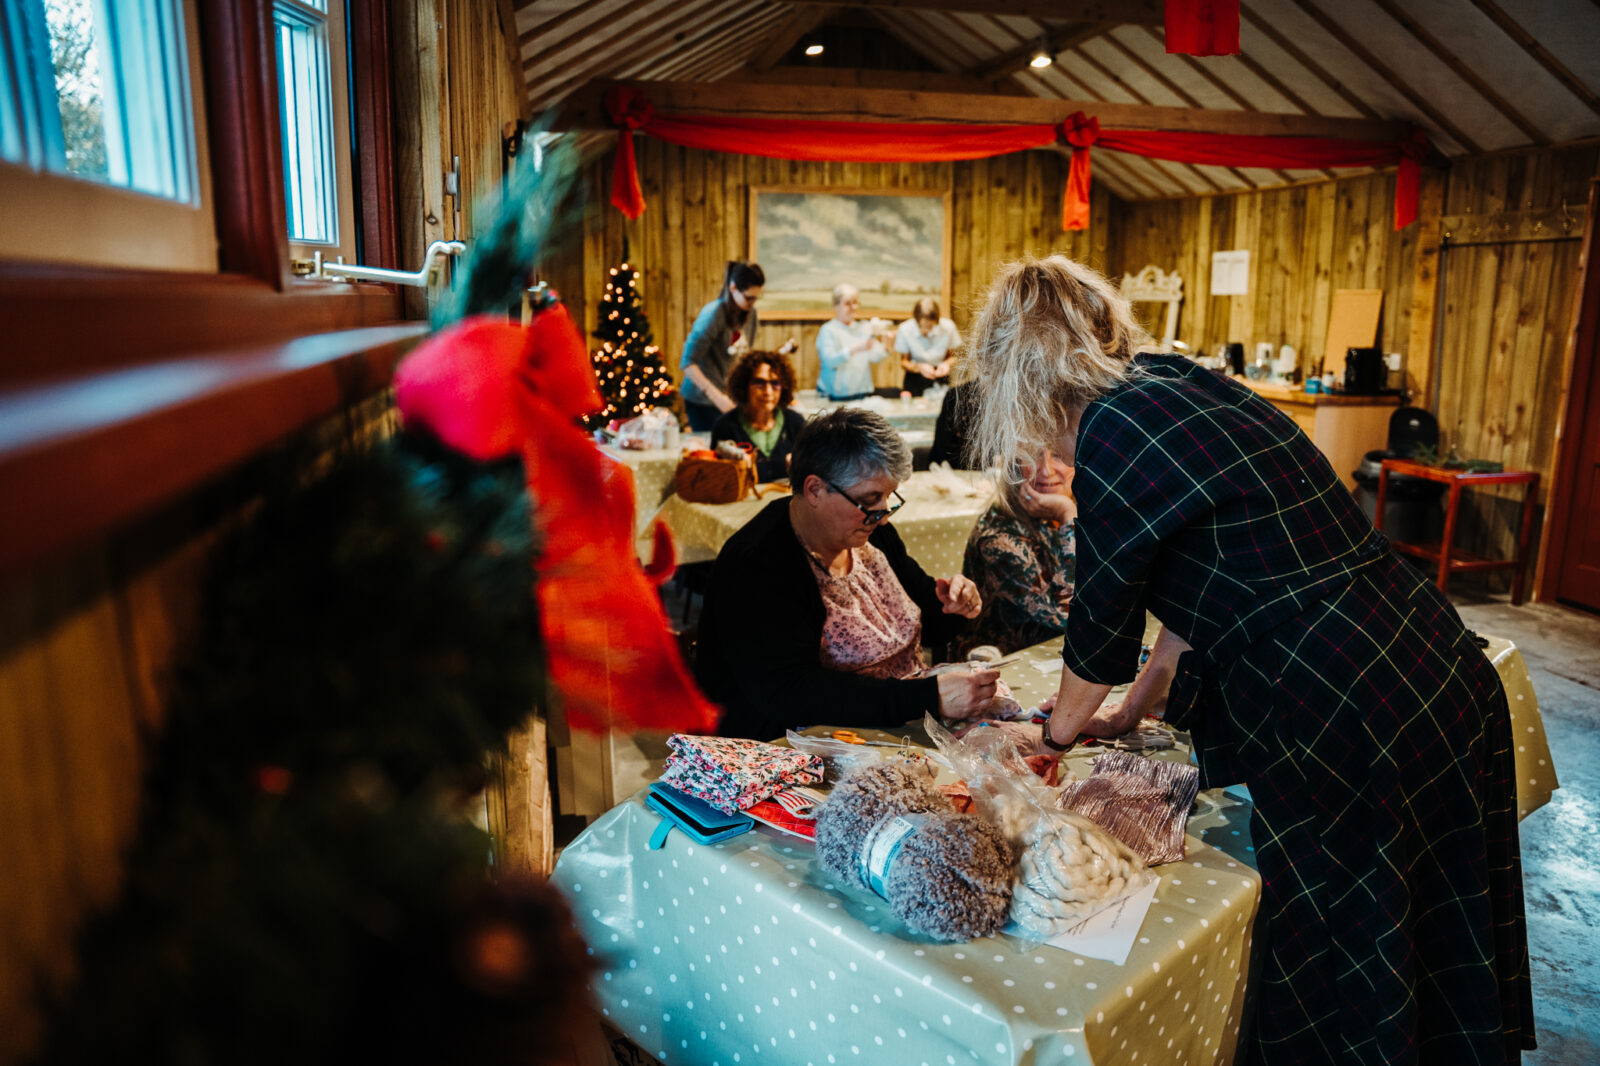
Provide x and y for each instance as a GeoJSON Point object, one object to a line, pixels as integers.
{"type": "Point", "coordinates": [869, 516]}
{"type": "Point", "coordinates": [765, 383]}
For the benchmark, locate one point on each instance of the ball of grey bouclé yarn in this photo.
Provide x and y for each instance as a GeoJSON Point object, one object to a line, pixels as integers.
{"type": "Point", "coordinates": [952, 878]}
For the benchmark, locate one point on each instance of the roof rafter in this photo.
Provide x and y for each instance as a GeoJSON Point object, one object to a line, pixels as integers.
{"type": "Point", "coordinates": [802, 20]}
{"type": "Point", "coordinates": [1332, 27]}
{"type": "Point", "coordinates": [1462, 70]}
{"type": "Point", "coordinates": [1299, 56]}
{"type": "Point", "coordinates": [1511, 28]}
{"type": "Point", "coordinates": [1149, 12]}
{"type": "Point", "coordinates": [674, 34]}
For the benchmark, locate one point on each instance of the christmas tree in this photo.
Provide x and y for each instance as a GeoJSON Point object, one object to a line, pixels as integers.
{"type": "Point", "coordinates": [628, 365]}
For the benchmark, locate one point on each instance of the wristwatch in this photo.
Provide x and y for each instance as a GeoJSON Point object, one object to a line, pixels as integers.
{"type": "Point", "coordinates": [1052, 745]}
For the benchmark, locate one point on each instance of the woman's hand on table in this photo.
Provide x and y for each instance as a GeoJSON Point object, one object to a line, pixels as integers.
{"type": "Point", "coordinates": [959, 595]}
{"type": "Point", "coordinates": [963, 693]}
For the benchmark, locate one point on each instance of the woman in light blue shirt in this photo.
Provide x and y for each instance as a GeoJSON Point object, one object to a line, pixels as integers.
{"type": "Point", "coordinates": [847, 349]}
{"type": "Point", "coordinates": [926, 345]}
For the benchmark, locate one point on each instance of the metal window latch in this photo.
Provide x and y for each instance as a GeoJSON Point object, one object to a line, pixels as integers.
{"type": "Point", "coordinates": [339, 270]}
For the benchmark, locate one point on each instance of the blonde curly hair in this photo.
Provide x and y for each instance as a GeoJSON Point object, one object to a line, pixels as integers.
{"type": "Point", "coordinates": [1052, 336]}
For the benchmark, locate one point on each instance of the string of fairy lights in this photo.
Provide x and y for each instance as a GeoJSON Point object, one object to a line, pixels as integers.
{"type": "Point", "coordinates": [632, 380]}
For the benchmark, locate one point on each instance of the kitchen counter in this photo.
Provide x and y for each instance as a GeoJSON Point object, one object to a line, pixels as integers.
{"type": "Point", "coordinates": [1345, 427]}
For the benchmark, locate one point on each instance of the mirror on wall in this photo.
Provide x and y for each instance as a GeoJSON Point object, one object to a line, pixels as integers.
{"type": "Point", "coordinates": [1156, 296]}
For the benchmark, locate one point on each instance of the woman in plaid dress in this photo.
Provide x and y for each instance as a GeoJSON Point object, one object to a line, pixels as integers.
{"type": "Point", "coordinates": [1311, 662]}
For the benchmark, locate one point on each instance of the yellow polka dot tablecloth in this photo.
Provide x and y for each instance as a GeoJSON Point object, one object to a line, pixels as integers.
{"type": "Point", "coordinates": [1536, 772]}
{"type": "Point", "coordinates": [934, 524]}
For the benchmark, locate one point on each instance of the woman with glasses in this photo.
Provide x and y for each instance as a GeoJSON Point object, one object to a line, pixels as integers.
{"type": "Point", "coordinates": [762, 384]}
{"type": "Point", "coordinates": [722, 330]}
{"type": "Point", "coordinates": [1312, 664]}
{"type": "Point", "coordinates": [817, 614]}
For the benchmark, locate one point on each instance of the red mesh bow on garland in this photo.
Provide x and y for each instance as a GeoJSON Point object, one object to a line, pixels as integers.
{"type": "Point", "coordinates": [492, 389]}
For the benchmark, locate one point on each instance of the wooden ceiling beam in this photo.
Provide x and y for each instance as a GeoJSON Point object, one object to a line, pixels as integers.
{"type": "Point", "coordinates": [641, 21]}
{"type": "Point", "coordinates": [549, 26]}
{"type": "Point", "coordinates": [1116, 79]}
{"type": "Point", "coordinates": [1462, 70]}
{"type": "Point", "coordinates": [1177, 90]}
{"type": "Point", "coordinates": [586, 109]}
{"type": "Point", "coordinates": [1057, 41]}
{"type": "Point", "coordinates": [802, 20]}
{"type": "Point", "coordinates": [691, 64]}
{"type": "Point", "coordinates": [678, 32]}
{"type": "Point", "coordinates": [1337, 31]}
{"type": "Point", "coordinates": [1147, 12]}
{"type": "Point", "coordinates": [1295, 52]}
{"type": "Point", "coordinates": [1511, 28]}
{"type": "Point", "coordinates": [906, 80]}
{"type": "Point", "coordinates": [508, 30]}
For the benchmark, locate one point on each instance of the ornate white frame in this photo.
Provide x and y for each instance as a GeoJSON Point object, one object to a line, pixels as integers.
{"type": "Point", "coordinates": [1154, 285]}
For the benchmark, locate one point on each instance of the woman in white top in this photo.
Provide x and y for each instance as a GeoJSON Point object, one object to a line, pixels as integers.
{"type": "Point", "coordinates": [847, 349]}
{"type": "Point", "coordinates": [926, 344]}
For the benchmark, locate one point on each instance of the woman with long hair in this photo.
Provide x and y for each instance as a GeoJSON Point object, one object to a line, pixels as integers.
{"type": "Point", "coordinates": [1311, 663]}
{"type": "Point", "coordinates": [723, 330]}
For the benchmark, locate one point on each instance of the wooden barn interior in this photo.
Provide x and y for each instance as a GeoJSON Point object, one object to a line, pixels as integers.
{"type": "Point", "coordinates": [160, 378]}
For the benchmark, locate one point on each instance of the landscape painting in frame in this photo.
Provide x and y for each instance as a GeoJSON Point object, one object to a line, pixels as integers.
{"type": "Point", "coordinates": [893, 246]}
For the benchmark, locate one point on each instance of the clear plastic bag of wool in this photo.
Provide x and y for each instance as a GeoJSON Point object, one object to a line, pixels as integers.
{"type": "Point", "coordinates": [1066, 867]}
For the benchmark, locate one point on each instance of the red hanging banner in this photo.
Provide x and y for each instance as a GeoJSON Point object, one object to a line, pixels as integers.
{"type": "Point", "coordinates": [1203, 27]}
{"type": "Point", "coordinates": [918, 142]}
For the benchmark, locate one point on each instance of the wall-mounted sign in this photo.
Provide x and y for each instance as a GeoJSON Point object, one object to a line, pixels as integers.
{"type": "Point", "coordinates": [1230, 273]}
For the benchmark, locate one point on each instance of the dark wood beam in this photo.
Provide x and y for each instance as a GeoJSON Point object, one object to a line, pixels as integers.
{"type": "Point", "coordinates": [1056, 41]}
{"type": "Point", "coordinates": [1146, 12]}
{"type": "Point", "coordinates": [1177, 90]}
{"type": "Point", "coordinates": [1464, 71]}
{"type": "Point", "coordinates": [1337, 31]}
{"type": "Point", "coordinates": [586, 110]}
{"type": "Point", "coordinates": [695, 63]}
{"type": "Point", "coordinates": [905, 80]}
{"type": "Point", "coordinates": [803, 19]}
{"type": "Point", "coordinates": [1511, 28]}
{"type": "Point", "coordinates": [1271, 33]}
{"type": "Point", "coordinates": [1116, 79]}
{"type": "Point", "coordinates": [689, 24]}
{"type": "Point", "coordinates": [508, 28]}
{"type": "Point", "coordinates": [549, 26]}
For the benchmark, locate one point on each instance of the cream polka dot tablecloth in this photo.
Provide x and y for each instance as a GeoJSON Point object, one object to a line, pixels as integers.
{"type": "Point", "coordinates": [652, 480]}
{"type": "Point", "coordinates": [1536, 771]}
{"type": "Point", "coordinates": [934, 525]}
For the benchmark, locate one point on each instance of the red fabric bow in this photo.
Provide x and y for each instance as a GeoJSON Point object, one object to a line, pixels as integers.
{"type": "Point", "coordinates": [1080, 131]}
{"type": "Point", "coordinates": [629, 110]}
{"type": "Point", "coordinates": [491, 389]}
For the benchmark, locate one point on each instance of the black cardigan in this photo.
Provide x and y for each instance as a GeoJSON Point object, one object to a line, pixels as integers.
{"type": "Point", "coordinates": [761, 638]}
{"type": "Point", "coordinates": [768, 467]}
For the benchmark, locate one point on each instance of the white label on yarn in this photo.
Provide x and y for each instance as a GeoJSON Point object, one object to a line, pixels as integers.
{"type": "Point", "coordinates": [882, 845]}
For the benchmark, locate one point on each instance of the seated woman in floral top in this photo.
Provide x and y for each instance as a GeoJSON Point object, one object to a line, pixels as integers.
{"type": "Point", "coordinates": [1020, 555]}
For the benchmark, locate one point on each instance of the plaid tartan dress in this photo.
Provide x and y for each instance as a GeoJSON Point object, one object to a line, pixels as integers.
{"type": "Point", "coordinates": [1336, 682]}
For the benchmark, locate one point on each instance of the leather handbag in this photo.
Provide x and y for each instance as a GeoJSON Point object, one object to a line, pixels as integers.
{"type": "Point", "coordinates": [703, 480]}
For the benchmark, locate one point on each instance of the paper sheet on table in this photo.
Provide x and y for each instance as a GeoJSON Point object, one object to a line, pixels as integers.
{"type": "Point", "coordinates": [1109, 934]}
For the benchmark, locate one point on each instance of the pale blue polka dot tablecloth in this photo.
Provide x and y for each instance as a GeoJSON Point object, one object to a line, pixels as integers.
{"type": "Point", "coordinates": [747, 952]}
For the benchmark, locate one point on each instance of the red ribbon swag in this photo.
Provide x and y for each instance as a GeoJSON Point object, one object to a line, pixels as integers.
{"type": "Point", "coordinates": [918, 142]}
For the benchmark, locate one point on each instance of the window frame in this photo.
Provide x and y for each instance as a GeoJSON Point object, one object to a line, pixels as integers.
{"type": "Point", "coordinates": [238, 341]}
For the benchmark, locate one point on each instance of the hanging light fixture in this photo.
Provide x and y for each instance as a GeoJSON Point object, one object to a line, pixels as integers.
{"type": "Point", "coordinates": [814, 48]}
{"type": "Point", "coordinates": [1041, 57]}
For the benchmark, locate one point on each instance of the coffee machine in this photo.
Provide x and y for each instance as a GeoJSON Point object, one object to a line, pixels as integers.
{"type": "Point", "coordinates": [1364, 371]}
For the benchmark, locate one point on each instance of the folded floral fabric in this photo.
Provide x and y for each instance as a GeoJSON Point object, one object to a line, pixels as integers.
{"type": "Point", "coordinates": [733, 774]}
{"type": "Point", "coordinates": [1142, 802]}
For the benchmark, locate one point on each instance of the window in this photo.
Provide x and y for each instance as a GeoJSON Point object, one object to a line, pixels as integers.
{"type": "Point", "coordinates": [313, 108]}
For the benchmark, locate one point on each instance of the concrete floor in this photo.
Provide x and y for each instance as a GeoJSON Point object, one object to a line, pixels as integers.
{"type": "Point", "coordinates": [1560, 841]}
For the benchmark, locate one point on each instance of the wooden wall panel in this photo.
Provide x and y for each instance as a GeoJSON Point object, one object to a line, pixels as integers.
{"type": "Point", "coordinates": [1504, 307]}
{"type": "Point", "coordinates": [697, 219]}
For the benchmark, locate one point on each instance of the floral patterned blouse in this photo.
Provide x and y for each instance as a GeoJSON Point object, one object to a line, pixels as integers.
{"type": "Point", "coordinates": [873, 626]}
{"type": "Point", "coordinates": [1024, 571]}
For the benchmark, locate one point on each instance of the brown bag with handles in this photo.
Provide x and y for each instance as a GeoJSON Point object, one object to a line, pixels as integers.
{"type": "Point", "coordinates": [714, 480]}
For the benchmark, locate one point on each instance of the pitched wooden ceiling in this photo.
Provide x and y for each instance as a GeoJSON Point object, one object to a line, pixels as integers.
{"type": "Point", "coordinates": [1478, 75]}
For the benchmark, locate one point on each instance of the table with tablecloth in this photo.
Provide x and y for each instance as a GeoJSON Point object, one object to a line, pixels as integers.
{"type": "Point", "coordinates": [747, 951]}
{"type": "Point", "coordinates": [933, 524]}
{"type": "Point", "coordinates": [914, 414]}
{"type": "Point", "coordinates": [652, 479]}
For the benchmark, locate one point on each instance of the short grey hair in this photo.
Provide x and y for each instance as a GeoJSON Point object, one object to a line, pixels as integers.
{"type": "Point", "coordinates": [846, 446]}
{"type": "Point", "coordinates": [843, 291]}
